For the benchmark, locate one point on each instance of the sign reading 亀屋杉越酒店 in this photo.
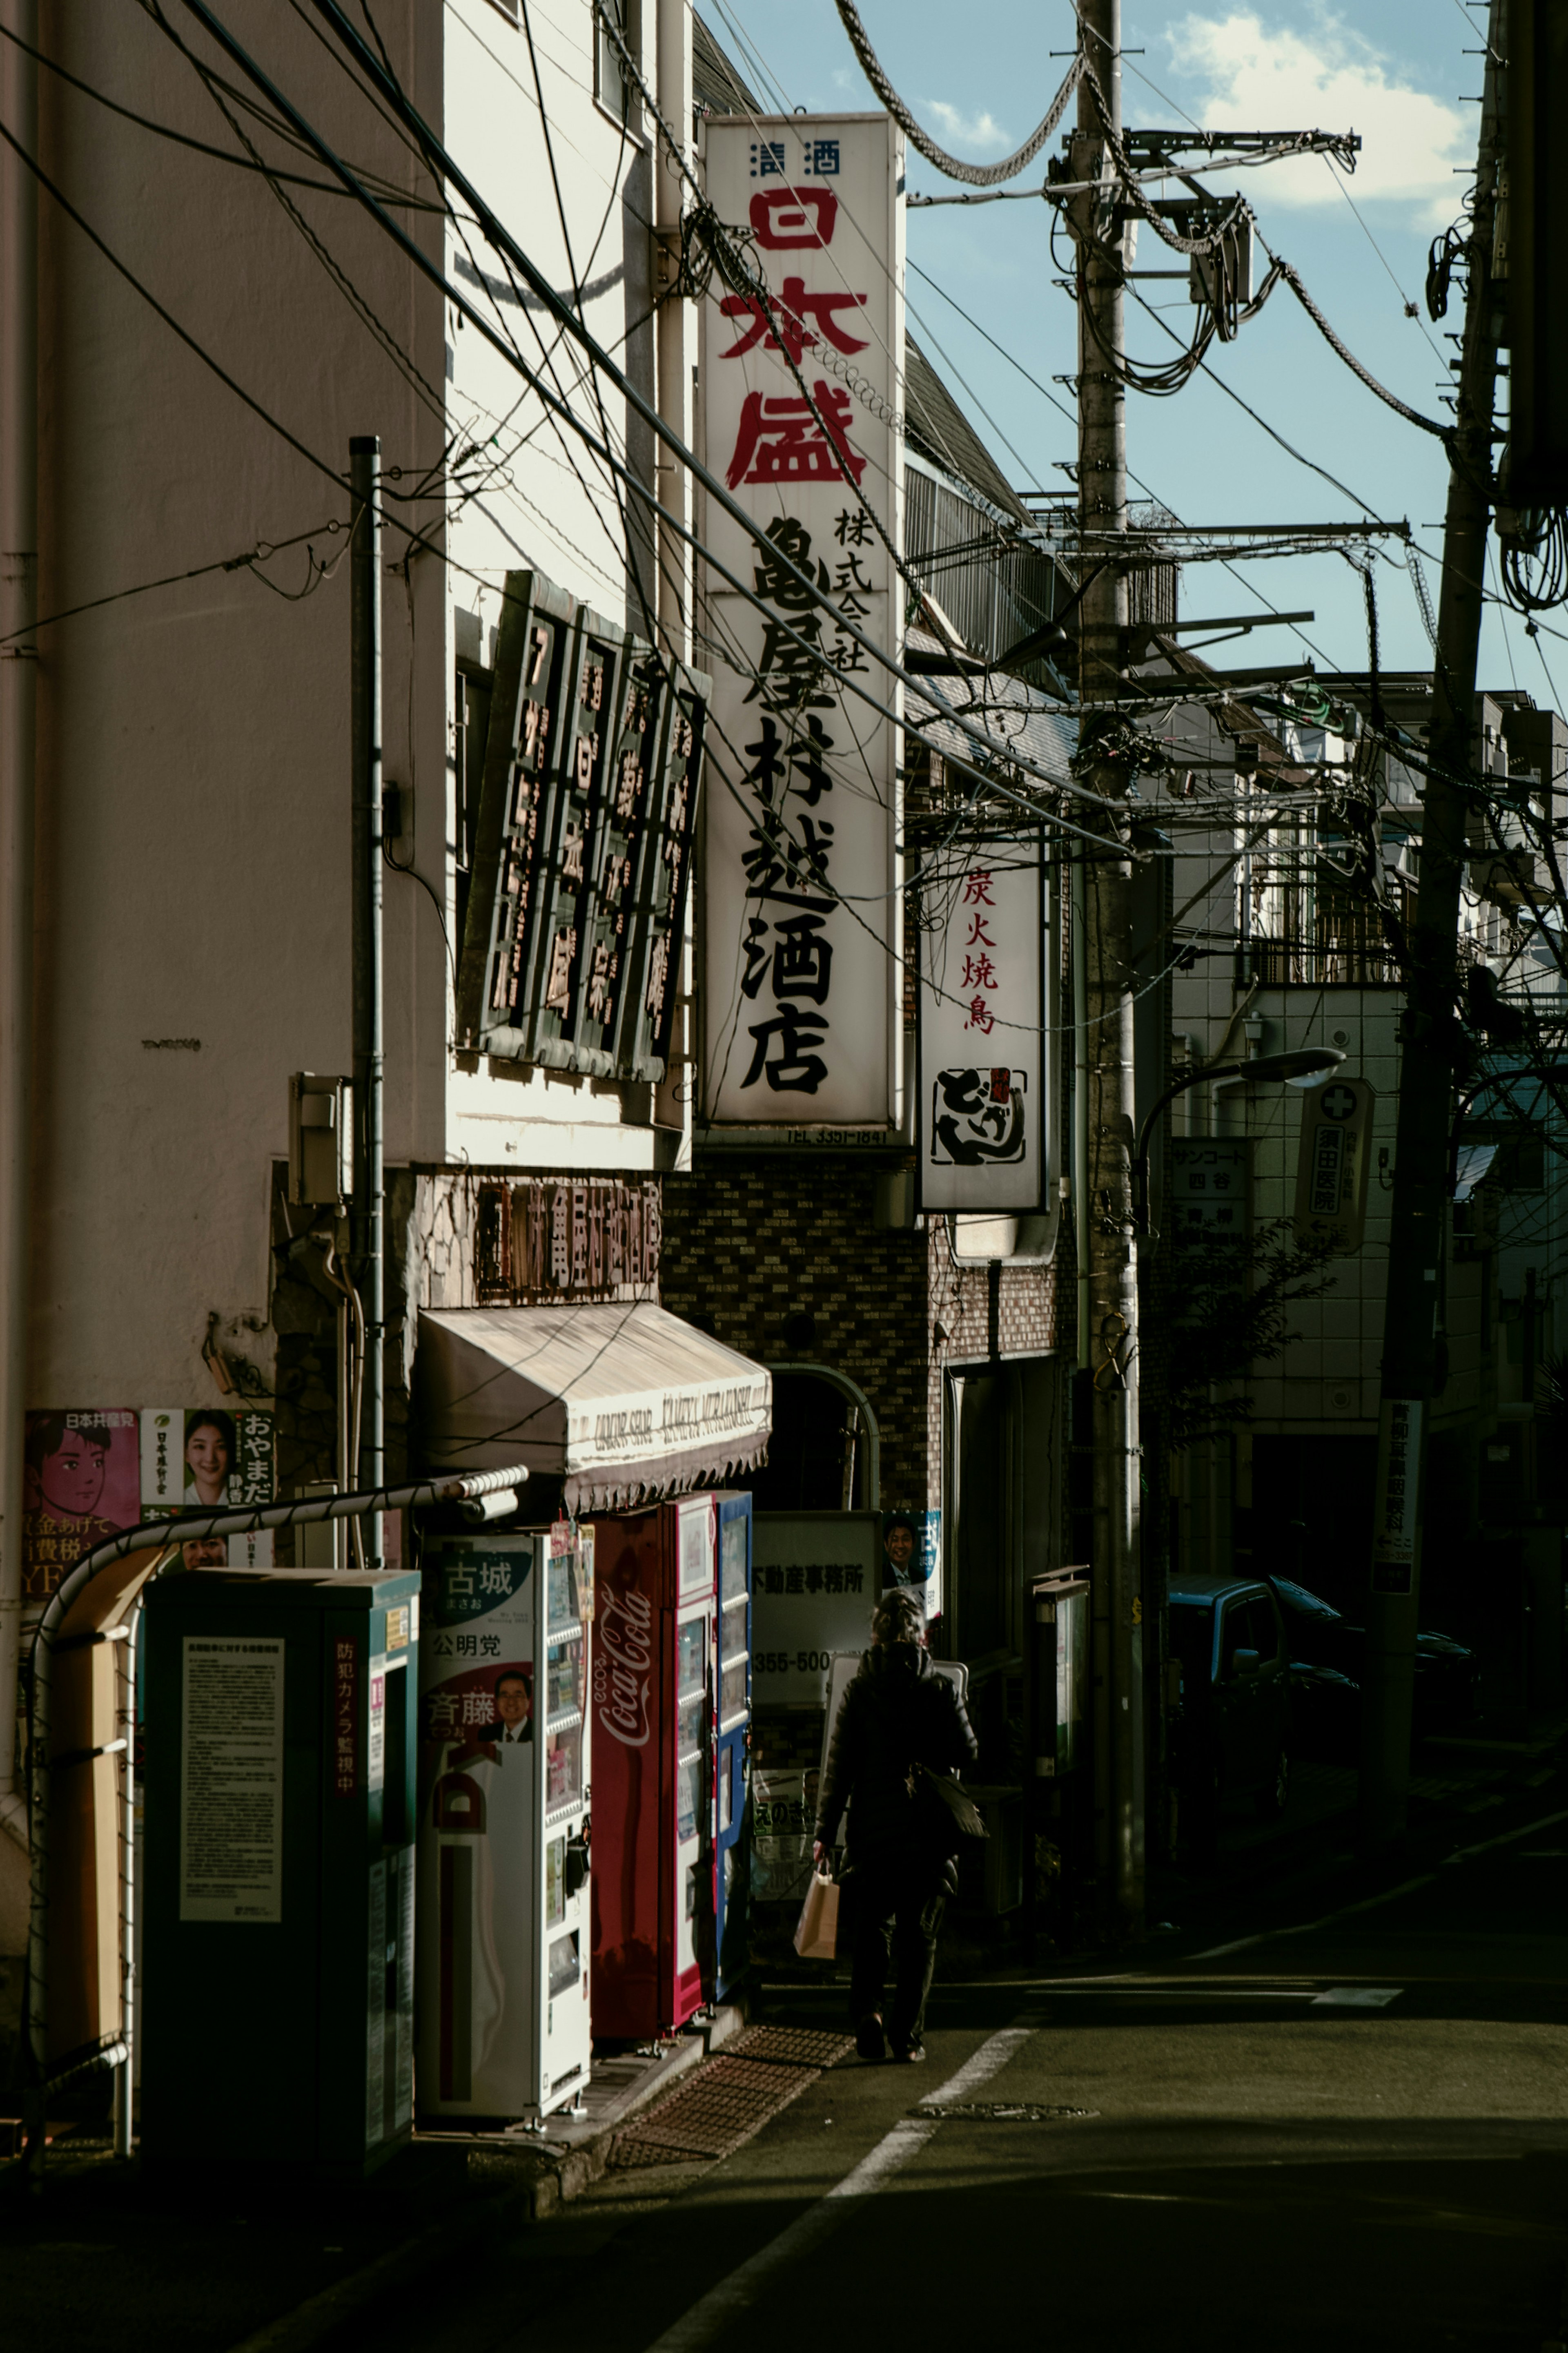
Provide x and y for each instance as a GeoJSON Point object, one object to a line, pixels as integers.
{"type": "Point", "coordinates": [985, 1088]}
{"type": "Point", "coordinates": [801, 902]}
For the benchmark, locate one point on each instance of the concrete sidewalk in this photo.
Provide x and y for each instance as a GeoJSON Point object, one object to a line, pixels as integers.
{"type": "Point", "coordinates": [104, 2262]}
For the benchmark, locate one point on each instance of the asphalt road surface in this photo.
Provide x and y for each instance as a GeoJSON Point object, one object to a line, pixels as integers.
{"type": "Point", "coordinates": [1354, 2133]}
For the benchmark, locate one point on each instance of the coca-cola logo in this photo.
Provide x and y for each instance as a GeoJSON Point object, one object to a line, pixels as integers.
{"type": "Point", "coordinates": [623, 1666]}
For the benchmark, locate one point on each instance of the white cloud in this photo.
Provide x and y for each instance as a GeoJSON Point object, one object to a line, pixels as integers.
{"type": "Point", "coordinates": [961, 133]}
{"type": "Point", "coordinates": [1258, 76]}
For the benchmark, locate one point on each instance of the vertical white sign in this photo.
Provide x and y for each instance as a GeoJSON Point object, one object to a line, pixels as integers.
{"type": "Point", "coordinates": [1398, 1481]}
{"type": "Point", "coordinates": [984, 1072]}
{"type": "Point", "coordinates": [800, 902]}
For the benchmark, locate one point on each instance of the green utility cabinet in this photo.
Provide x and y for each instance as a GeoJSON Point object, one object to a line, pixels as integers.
{"type": "Point", "coordinates": [278, 1881]}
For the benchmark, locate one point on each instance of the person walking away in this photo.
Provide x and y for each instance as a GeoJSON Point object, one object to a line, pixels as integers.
{"type": "Point", "coordinates": [897, 1715]}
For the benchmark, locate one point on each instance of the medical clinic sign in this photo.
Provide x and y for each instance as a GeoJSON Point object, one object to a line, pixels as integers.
{"type": "Point", "coordinates": [801, 903]}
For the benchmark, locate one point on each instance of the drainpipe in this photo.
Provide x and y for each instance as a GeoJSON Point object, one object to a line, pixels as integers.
{"type": "Point", "coordinates": [1080, 1203]}
{"type": "Point", "coordinates": [18, 702]}
{"type": "Point", "coordinates": [675, 339]}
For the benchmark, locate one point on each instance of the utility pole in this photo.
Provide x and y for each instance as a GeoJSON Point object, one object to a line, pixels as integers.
{"type": "Point", "coordinates": [369, 1206]}
{"type": "Point", "coordinates": [18, 694]}
{"type": "Point", "coordinates": [1418, 1207]}
{"type": "Point", "coordinates": [1105, 1049]}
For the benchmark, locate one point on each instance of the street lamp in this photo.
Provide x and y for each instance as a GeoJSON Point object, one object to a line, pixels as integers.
{"type": "Point", "coordinates": [1308, 1062]}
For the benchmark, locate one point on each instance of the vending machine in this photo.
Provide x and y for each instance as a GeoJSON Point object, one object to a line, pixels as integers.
{"type": "Point", "coordinates": [732, 1878]}
{"type": "Point", "coordinates": [279, 1888]}
{"type": "Point", "coordinates": [504, 1959]}
{"type": "Point", "coordinates": [653, 1706]}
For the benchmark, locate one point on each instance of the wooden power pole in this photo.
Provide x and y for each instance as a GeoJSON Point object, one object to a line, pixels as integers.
{"type": "Point", "coordinates": [1105, 1053]}
{"type": "Point", "coordinates": [1419, 1209]}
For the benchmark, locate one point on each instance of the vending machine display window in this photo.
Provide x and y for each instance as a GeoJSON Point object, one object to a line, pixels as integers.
{"type": "Point", "coordinates": [734, 1735]}
{"type": "Point", "coordinates": [564, 1768]}
{"type": "Point", "coordinates": [734, 1693]}
{"type": "Point", "coordinates": [563, 1687]}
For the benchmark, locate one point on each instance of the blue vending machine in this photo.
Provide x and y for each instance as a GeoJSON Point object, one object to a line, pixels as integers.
{"type": "Point", "coordinates": [733, 1683]}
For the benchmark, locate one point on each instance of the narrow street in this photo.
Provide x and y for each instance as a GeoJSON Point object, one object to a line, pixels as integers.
{"type": "Point", "coordinates": [1354, 2135]}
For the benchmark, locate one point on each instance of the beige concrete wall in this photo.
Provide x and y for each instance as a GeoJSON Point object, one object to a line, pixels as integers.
{"type": "Point", "coordinates": [193, 834]}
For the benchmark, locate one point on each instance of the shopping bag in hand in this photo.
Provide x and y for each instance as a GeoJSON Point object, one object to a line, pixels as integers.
{"type": "Point", "coordinates": [817, 1936]}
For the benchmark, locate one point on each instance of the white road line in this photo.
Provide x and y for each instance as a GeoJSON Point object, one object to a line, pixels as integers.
{"type": "Point", "coordinates": [713, 2313]}
{"type": "Point", "coordinates": [1371, 1902]}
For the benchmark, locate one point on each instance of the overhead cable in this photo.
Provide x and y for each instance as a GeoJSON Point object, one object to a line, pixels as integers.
{"type": "Point", "coordinates": [977, 175]}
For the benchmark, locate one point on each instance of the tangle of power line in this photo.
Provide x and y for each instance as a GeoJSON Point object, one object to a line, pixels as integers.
{"type": "Point", "coordinates": [977, 175]}
{"type": "Point", "coordinates": [1535, 569]}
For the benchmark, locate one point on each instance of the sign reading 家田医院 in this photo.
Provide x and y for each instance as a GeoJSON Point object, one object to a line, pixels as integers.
{"type": "Point", "coordinates": [801, 902]}
{"type": "Point", "coordinates": [1331, 1162]}
{"type": "Point", "coordinates": [984, 1082]}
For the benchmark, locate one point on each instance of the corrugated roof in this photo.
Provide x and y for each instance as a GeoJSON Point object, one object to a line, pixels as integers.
{"type": "Point", "coordinates": [715, 82]}
{"type": "Point", "coordinates": [1021, 719]}
{"type": "Point", "coordinates": [936, 427]}
{"type": "Point", "coordinates": [938, 430]}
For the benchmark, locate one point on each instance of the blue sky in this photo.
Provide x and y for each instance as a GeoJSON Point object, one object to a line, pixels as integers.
{"type": "Point", "coordinates": [1396, 72]}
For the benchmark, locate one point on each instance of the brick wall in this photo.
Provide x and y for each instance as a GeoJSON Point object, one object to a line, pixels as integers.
{"type": "Point", "coordinates": [980, 1312]}
{"type": "Point", "coordinates": [750, 1241]}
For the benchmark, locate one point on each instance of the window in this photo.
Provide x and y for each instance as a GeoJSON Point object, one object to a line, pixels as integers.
{"type": "Point", "coordinates": [1248, 1626]}
{"type": "Point", "coordinates": [1192, 1641]}
{"type": "Point", "coordinates": [614, 90]}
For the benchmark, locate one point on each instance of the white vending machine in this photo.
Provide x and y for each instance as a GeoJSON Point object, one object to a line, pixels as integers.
{"type": "Point", "coordinates": [503, 1940]}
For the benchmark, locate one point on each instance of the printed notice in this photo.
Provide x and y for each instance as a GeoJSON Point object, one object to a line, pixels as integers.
{"type": "Point", "coordinates": [231, 1788]}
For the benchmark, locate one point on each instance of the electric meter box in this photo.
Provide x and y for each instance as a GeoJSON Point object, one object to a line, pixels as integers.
{"type": "Point", "coordinates": [278, 1881]}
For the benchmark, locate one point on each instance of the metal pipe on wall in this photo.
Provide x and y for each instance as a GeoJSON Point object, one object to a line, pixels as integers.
{"type": "Point", "coordinates": [1080, 1103]}
{"type": "Point", "coordinates": [18, 708]}
{"type": "Point", "coordinates": [676, 342]}
{"type": "Point", "coordinates": [369, 1043]}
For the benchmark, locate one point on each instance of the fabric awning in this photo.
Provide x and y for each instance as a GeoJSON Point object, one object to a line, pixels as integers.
{"type": "Point", "coordinates": [625, 1403]}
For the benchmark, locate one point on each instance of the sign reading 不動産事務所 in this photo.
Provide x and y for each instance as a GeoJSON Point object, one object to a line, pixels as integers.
{"type": "Point", "coordinates": [801, 386]}
{"type": "Point", "coordinates": [816, 1578]}
{"type": "Point", "coordinates": [984, 1083]}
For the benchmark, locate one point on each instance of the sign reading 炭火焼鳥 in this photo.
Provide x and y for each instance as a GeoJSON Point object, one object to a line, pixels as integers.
{"type": "Point", "coordinates": [801, 902]}
{"type": "Point", "coordinates": [985, 1090]}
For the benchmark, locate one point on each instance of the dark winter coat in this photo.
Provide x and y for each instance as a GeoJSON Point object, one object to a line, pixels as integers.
{"type": "Point", "coordinates": [896, 1715]}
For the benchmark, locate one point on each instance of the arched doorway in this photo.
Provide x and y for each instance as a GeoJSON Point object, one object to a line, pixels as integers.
{"type": "Point", "coordinates": [825, 1454]}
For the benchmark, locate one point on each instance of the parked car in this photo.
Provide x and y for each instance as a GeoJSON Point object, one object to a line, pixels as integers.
{"type": "Point", "coordinates": [1232, 1735]}
{"type": "Point", "coordinates": [1327, 1652]}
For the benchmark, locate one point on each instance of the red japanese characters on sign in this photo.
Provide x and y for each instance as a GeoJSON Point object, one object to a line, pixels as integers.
{"type": "Point", "coordinates": [345, 1716]}
{"type": "Point", "coordinates": [981, 970]}
{"type": "Point", "coordinates": [780, 440]}
{"type": "Point", "coordinates": [783, 323]}
{"type": "Point", "coordinates": [794, 220]}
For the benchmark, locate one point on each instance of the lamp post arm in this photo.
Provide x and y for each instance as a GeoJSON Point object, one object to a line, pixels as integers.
{"type": "Point", "coordinates": [1140, 1156]}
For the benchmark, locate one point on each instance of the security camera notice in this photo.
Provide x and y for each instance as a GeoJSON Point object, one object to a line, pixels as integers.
{"type": "Point", "coordinates": [231, 1784]}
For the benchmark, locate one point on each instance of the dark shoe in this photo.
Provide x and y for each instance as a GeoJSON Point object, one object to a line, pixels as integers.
{"type": "Point", "coordinates": [910, 2055]}
{"type": "Point", "coordinates": [868, 2040]}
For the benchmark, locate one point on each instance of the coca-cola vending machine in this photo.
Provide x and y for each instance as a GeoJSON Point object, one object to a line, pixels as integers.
{"type": "Point", "coordinates": [653, 1700]}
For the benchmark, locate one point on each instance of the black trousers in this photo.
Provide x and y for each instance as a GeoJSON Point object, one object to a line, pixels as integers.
{"type": "Point", "coordinates": [895, 1911]}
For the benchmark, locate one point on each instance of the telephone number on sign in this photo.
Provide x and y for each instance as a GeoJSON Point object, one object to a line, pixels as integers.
{"type": "Point", "coordinates": [802, 1663]}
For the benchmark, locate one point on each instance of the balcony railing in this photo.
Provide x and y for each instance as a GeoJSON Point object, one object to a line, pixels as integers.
{"type": "Point", "coordinates": [1357, 960]}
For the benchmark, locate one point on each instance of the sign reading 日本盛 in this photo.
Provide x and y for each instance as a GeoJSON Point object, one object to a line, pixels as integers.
{"type": "Point", "coordinates": [801, 898]}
